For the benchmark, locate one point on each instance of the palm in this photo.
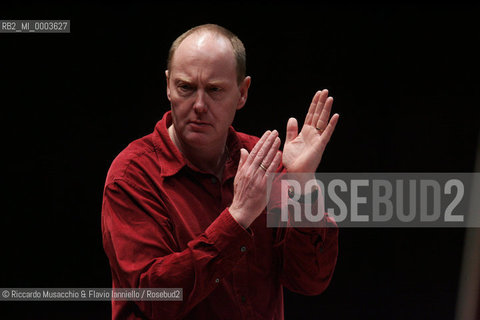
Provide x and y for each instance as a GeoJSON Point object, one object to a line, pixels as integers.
{"type": "Point", "coordinates": [303, 151]}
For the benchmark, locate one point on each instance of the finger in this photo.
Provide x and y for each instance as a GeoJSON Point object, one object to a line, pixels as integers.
{"type": "Point", "coordinates": [275, 163]}
{"type": "Point", "coordinates": [272, 168]}
{"type": "Point", "coordinates": [256, 148]}
{"type": "Point", "coordinates": [243, 158]}
{"type": "Point", "coordinates": [292, 130]}
{"type": "Point", "coordinates": [271, 153]}
{"type": "Point", "coordinates": [262, 153]}
{"type": "Point", "coordinates": [319, 107]}
{"type": "Point", "coordinates": [329, 130]}
{"type": "Point", "coordinates": [311, 109]}
{"type": "Point", "coordinates": [325, 115]}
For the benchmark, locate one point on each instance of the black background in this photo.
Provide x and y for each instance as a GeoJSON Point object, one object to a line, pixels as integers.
{"type": "Point", "coordinates": [404, 76]}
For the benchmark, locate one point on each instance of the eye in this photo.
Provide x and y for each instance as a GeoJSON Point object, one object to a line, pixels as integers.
{"type": "Point", "coordinates": [214, 89]}
{"type": "Point", "coordinates": [185, 87]}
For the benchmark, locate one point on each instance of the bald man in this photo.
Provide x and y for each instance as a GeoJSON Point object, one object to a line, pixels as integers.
{"type": "Point", "coordinates": [184, 207]}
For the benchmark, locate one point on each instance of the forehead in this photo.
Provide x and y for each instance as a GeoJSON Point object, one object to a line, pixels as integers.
{"type": "Point", "coordinates": [204, 53]}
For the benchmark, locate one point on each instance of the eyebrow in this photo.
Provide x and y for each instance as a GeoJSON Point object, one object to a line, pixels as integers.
{"type": "Point", "coordinates": [180, 79]}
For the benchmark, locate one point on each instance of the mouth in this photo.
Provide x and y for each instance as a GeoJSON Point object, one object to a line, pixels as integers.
{"type": "Point", "coordinates": [200, 123]}
{"type": "Point", "coordinates": [197, 124]}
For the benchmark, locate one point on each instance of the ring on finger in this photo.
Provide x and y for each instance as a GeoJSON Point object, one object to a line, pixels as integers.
{"type": "Point", "coordinates": [319, 130]}
{"type": "Point", "coordinates": [262, 166]}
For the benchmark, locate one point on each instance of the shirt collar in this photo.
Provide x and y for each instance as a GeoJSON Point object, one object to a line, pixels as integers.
{"type": "Point", "coordinates": [174, 160]}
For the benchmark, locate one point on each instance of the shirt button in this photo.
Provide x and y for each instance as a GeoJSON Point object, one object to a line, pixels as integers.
{"type": "Point", "coordinates": [243, 249]}
{"type": "Point", "coordinates": [217, 280]}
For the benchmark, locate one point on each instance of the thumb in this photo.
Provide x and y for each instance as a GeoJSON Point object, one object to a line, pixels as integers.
{"type": "Point", "coordinates": [292, 130]}
{"type": "Point", "coordinates": [243, 157]}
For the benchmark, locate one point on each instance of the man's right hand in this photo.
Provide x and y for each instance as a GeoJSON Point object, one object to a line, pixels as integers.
{"type": "Point", "coordinates": [250, 185]}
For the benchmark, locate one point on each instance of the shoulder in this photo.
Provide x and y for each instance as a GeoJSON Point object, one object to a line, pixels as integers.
{"type": "Point", "coordinates": [133, 160]}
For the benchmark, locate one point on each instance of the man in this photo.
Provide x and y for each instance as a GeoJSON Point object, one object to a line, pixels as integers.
{"type": "Point", "coordinates": [184, 207]}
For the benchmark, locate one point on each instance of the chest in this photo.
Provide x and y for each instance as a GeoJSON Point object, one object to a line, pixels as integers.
{"type": "Point", "coordinates": [194, 202]}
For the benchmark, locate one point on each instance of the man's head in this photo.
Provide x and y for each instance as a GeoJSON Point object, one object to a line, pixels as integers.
{"type": "Point", "coordinates": [237, 45]}
{"type": "Point", "coordinates": [205, 85]}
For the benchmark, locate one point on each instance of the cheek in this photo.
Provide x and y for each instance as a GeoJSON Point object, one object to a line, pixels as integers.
{"type": "Point", "coordinates": [177, 113]}
{"type": "Point", "coordinates": [227, 115]}
{"type": "Point", "coordinates": [179, 106]}
{"type": "Point", "coordinates": [180, 112]}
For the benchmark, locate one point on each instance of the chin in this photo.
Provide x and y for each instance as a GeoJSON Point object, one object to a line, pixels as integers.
{"type": "Point", "coordinates": [197, 139]}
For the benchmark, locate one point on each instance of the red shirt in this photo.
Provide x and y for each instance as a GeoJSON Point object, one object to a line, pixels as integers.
{"type": "Point", "coordinates": [166, 224]}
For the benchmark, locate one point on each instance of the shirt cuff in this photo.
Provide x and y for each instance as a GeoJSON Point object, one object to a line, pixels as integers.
{"type": "Point", "coordinates": [321, 230]}
{"type": "Point", "coordinates": [229, 237]}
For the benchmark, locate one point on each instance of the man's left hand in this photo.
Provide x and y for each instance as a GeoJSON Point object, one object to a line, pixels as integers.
{"type": "Point", "coordinates": [303, 152]}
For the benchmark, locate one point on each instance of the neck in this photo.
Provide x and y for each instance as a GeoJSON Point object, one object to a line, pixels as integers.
{"type": "Point", "coordinates": [210, 158]}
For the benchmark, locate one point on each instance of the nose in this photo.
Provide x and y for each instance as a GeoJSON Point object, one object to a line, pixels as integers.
{"type": "Point", "coordinates": [200, 105]}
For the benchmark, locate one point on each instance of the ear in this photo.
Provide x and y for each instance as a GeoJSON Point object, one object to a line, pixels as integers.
{"type": "Point", "coordinates": [243, 92]}
{"type": "Point", "coordinates": [168, 85]}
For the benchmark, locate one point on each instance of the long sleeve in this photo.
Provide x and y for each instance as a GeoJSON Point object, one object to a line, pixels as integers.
{"type": "Point", "coordinates": [309, 257]}
{"type": "Point", "coordinates": [140, 242]}
{"type": "Point", "coordinates": [307, 251]}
